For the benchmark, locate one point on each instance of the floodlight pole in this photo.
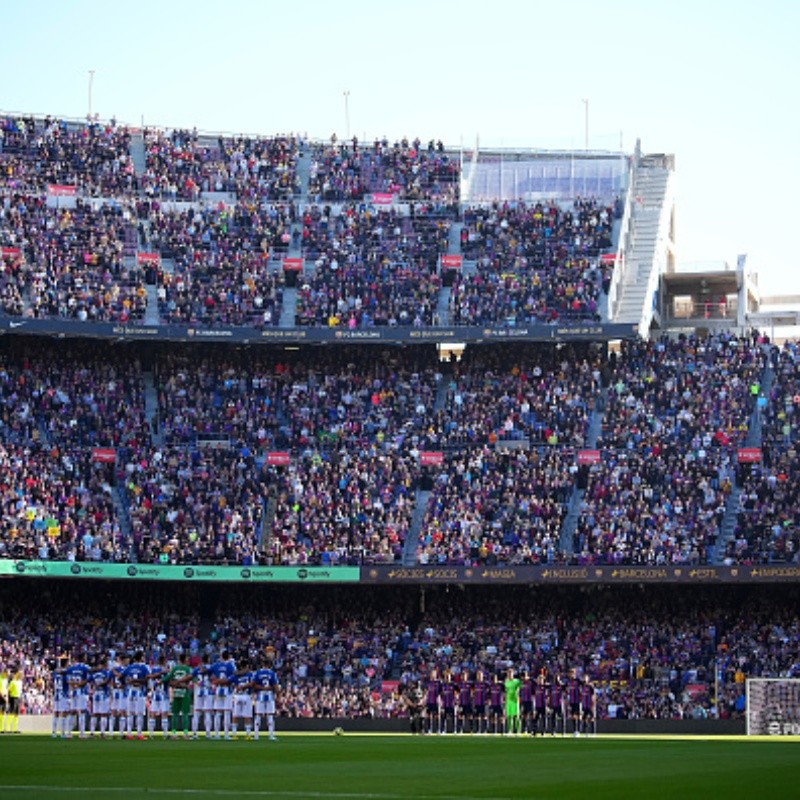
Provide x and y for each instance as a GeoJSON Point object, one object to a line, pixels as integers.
{"type": "Point", "coordinates": [91, 82]}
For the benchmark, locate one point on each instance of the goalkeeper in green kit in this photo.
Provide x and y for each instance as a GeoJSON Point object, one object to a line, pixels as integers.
{"type": "Point", "coordinates": [512, 685]}
{"type": "Point", "coordinates": [179, 679]}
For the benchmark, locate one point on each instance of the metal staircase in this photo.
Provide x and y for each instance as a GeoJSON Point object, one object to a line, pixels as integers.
{"type": "Point", "coordinates": [644, 246]}
{"type": "Point", "coordinates": [422, 498]}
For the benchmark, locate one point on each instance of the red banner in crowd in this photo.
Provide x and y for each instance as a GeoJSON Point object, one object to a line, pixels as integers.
{"type": "Point", "coordinates": [278, 458]}
{"type": "Point", "coordinates": [58, 190]}
{"type": "Point", "coordinates": [749, 455]}
{"type": "Point", "coordinates": [293, 264]}
{"type": "Point", "coordinates": [588, 457]}
{"type": "Point", "coordinates": [148, 258]}
{"type": "Point", "coordinates": [389, 687]}
{"type": "Point", "coordinates": [608, 258]}
{"type": "Point", "coordinates": [450, 262]}
{"type": "Point", "coordinates": [382, 199]}
{"type": "Point", "coordinates": [106, 455]}
{"type": "Point", "coordinates": [10, 252]}
{"type": "Point", "coordinates": [431, 458]}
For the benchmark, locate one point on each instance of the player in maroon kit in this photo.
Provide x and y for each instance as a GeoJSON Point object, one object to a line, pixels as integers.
{"type": "Point", "coordinates": [574, 701]}
{"type": "Point", "coordinates": [496, 705]}
{"type": "Point", "coordinates": [555, 706]}
{"type": "Point", "coordinates": [432, 702]}
{"type": "Point", "coordinates": [447, 694]}
{"type": "Point", "coordinates": [526, 703]}
{"type": "Point", "coordinates": [588, 706]}
{"type": "Point", "coordinates": [480, 695]}
{"type": "Point", "coordinates": [465, 712]}
{"type": "Point", "coordinates": [540, 694]}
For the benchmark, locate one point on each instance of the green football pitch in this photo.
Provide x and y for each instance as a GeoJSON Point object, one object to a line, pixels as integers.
{"type": "Point", "coordinates": [374, 767]}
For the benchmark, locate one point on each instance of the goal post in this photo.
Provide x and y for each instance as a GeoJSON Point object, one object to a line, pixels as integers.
{"type": "Point", "coordinates": [773, 706]}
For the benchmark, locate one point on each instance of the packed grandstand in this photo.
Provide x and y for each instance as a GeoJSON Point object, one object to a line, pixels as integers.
{"type": "Point", "coordinates": [244, 353]}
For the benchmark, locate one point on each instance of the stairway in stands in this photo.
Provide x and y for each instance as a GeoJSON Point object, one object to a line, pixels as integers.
{"type": "Point", "coordinates": [151, 409]}
{"type": "Point", "coordinates": [570, 524]}
{"type": "Point", "coordinates": [645, 245]}
{"type": "Point", "coordinates": [137, 152]}
{"type": "Point", "coordinates": [729, 521]}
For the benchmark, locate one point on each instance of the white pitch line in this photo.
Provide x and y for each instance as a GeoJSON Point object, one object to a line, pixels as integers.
{"type": "Point", "coordinates": [234, 792]}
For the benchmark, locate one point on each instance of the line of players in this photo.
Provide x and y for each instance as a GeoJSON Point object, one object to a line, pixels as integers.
{"type": "Point", "coordinates": [544, 705]}
{"type": "Point", "coordinates": [130, 698]}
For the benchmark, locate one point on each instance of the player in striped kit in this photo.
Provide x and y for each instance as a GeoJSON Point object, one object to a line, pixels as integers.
{"type": "Point", "coordinates": [496, 705]}
{"type": "Point", "coordinates": [540, 695]}
{"type": "Point", "coordinates": [465, 712]}
{"type": "Point", "coordinates": [432, 702]}
{"type": "Point", "coordinates": [203, 700]}
{"type": "Point", "coordinates": [526, 703]}
{"type": "Point", "coordinates": [77, 678]}
{"type": "Point", "coordinates": [574, 701]}
{"type": "Point", "coordinates": [242, 700]}
{"type": "Point", "coordinates": [100, 691]}
{"type": "Point", "coordinates": [158, 694]}
{"type": "Point", "coordinates": [447, 694]}
{"type": "Point", "coordinates": [480, 696]}
{"type": "Point", "coordinates": [265, 684]}
{"type": "Point", "coordinates": [134, 678]}
{"type": "Point", "coordinates": [221, 672]}
{"type": "Point", "coordinates": [119, 699]}
{"type": "Point", "coordinates": [60, 700]}
{"type": "Point", "coordinates": [588, 706]}
{"type": "Point", "coordinates": [555, 706]}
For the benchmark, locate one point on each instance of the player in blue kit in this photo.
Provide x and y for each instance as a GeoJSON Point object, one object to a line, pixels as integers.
{"type": "Point", "coordinates": [60, 700]}
{"type": "Point", "coordinates": [158, 694]}
{"type": "Point", "coordinates": [134, 678]}
{"type": "Point", "coordinates": [100, 691]}
{"type": "Point", "coordinates": [203, 700]}
{"type": "Point", "coordinates": [220, 673]}
{"type": "Point", "coordinates": [265, 684]}
{"type": "Point", "coordinates": [77, 678]}
{"type": "Point", "coordinates": [242, 700]}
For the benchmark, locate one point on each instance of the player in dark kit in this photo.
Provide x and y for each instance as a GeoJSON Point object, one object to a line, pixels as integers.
{"type": "Point", "coordinates": [555, 706]}
{"type": "Point", "coordinates": [448, 705]}
{"type": "Point", "coordinates": [526, 703]}
{"type": "Point", "coordinates": [540, 695]}
{"type": "Point", "coordinates": [574, 701]}
{"type": "Point", "coordinates": [496, 705]}
{"type": "Point", "coordinates": [432, 702]}
{"type": "Point", "coordinates": [465, 711]}
{"type": "Point", "coordinates": [588, 706]}
{"type": "Point", "coordinates": [414, 701]}
{"type": "Point", "coordinates": [480, 694]}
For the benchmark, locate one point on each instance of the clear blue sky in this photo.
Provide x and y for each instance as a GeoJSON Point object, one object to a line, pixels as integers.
{"type": "Point", "coordinates": [713, 82]}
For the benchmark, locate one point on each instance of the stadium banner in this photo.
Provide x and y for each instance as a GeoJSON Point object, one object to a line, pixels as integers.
{"type": "Point", "coordinates": [105, 455]}
{"type": "Point", "coordinates": [148, 258]}
{"type": "Point", "coordinates": [588, 457]}
{"type": "Point", "coordinates": [59, 190]}
{"type": "Point", "coordinates": [382, 199]}
{"type": "Point", "coordinates": [278, 458]}
{"type": "Point", "coordinates": [749, 455]}
{"type": "Point", "coordinates": [10, 252]}
{"type": "Point", "coordinates": [563, 575]}
{"type": "Point", "coordinates": [431, 458]}
{"type": "Point", "coordinates": [183, 574]}
{"type": "Point", "coordinates": [450, 262]}
{"type": "Point", "coordinates": [383, 335]}
{"type": "Point", "coordinates": [292, 264]}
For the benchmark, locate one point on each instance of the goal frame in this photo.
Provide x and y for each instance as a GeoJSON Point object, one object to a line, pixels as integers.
{"type": "Point", "coordinates": [751, 682]}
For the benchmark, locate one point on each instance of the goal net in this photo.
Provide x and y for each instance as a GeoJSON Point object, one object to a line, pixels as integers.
{"type": "Point", "coordinates": [773, 706]}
